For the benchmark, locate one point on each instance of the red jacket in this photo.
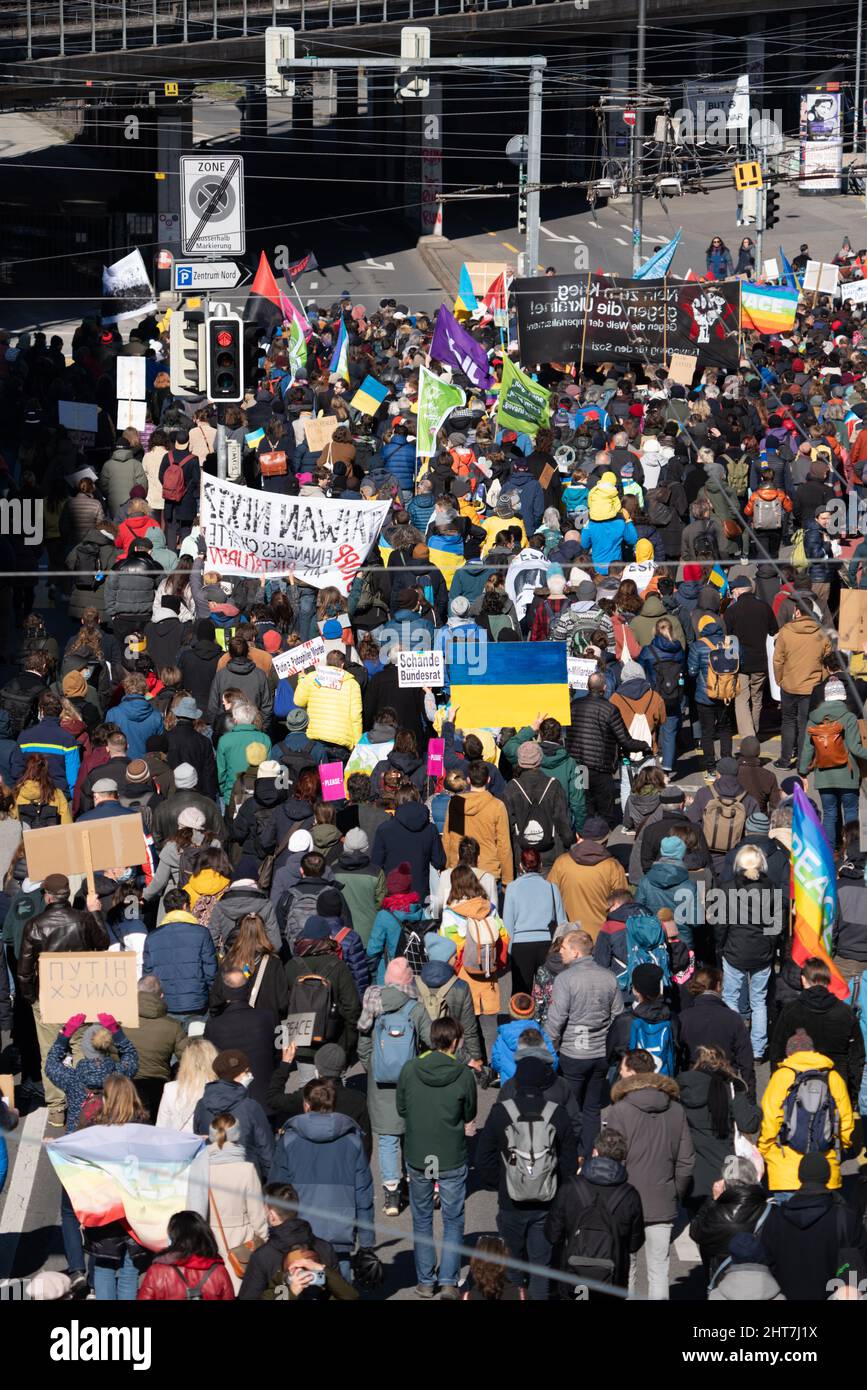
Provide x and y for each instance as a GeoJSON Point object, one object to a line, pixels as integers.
{"type": "Point", "coordinates": [132, 530]}
{"type": "Point", "coordinates": [163, 1281]}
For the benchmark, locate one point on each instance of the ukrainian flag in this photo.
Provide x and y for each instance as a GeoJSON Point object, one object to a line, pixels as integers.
{"type": "Point", "coordinates": [369, 396]}
{"type": "Point", "coordinates": [338, 366]}
{"type": "Point", "coordinates": [466, 302]}
{"type": "Point", "coordinates": [510, 683]}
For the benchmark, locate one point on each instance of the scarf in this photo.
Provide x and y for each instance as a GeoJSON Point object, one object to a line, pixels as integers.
{"type": "Point", "coordinates": [371, 1006]}
{"type": "Point", "coordinates": [400, 902]}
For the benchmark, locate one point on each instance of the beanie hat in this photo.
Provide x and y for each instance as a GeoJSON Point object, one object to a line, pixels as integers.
{"type": "Point", "coordinates": [231, 1064]}
{"type": "Point", "coordinates": [529, 754]}
{"type": "Point", "coordinates": [191, 818]}
{"type": "Point", "coordinates": [692, 573]}
{"type": "Point", "coordinates": [647, 979]}
{"type": "Point", "coordinates": [329, 903]}
{"type": "Point", "coordinates": [331, 1061]}
{"type": "Point", "coordinates": [186, 777]}
{"type": "Point", "coordinates": [758, 824]}
{"type": "Point", "coordinates": [316, 928]}
{"type": "Point", "coordinates": [296, 720]}
{"type": "Point", "coordinates": [268, 767]}
{"type": "Point", "coordinates": [531, 1073]}
{"type": "Point", "coordinates": [595, 828]}
{"type": "Point", "coordinates": [399, 880]}
{"type": "Point", "coordinates": [459, 606]}
{"type": "Point", "coordinates": [644, 550]}
{"type": "Point", "coordinates": [814, 1168]}
{"type": "Point", "coordinates": [256, 755]}
{"type": "Point", "coordinates": [521, 1006]}
{"type": "Point", "coordinates": [750, 747]}
{"type": "Point", "coordinates": [271, 640]}
{"type": "Point", "coordinates": [727, 767]}
{"type": "Point", "coordinates": [300, 842]}
{"type": "Point", "coordinates": [672, 795]}
{"type": "Point", "coordinates": [205, 630]}
{"type": "Point", "coordinates": [556, 585]}
{"type": "Point", "coordinates": [137, 771]}
{"type": "Point", "coordinates": [706, 620]}
{"type": "Point", "coordinates": [356, 841]}
{"type": "Point", "coordinates": [74, 685]}
{"type": "Point", "coordinates": [672, 847]}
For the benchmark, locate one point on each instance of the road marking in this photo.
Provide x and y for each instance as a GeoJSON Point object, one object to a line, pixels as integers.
{"type": "Point", "coordinates": [371, 264]}
{"type": "Point", "coordinates": [620, 241]}
{"type": "Point", "coordinates": [18, 1193]}
{"type": "Point", "coordinates": [625, 225]}
{"type": "Point", "coordinates": [509, 247]}
{"type": "Point", "coordinates": [552, 236]}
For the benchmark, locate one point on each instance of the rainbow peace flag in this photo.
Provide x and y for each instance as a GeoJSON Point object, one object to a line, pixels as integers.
{"type": "Point", "coordinates": [815, 891]}
{"type": "Point", "coordinates": [768, 308]}
{"type": "Point", "coordinates": [132, 1173]}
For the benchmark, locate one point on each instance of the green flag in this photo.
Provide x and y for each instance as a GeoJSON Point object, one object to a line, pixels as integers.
{"type": "Point", "coordinates": [523, 404]}
{"type": "Point", "coordinates": [436, 399]}
{"type": "Point", "coordinates": [297, 347]}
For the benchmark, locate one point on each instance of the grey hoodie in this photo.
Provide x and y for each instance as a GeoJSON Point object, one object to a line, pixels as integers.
{"type": "Point", "coordinates": [743, 1283]}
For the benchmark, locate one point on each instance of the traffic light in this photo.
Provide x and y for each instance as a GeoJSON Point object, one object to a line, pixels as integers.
{"type": "Point", "coordinates": [224, 355]}
{"type": "Point", "coordinates": [186, 352]}
{"type": "Point", "coordinates": [772, 209]}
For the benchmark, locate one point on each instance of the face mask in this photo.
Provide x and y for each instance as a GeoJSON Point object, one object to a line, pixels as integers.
{"type": "Point", "coordinates": [246, 1079]}
{"type": "Point", "coordinates": [125, 876]}
{"type": "Point", "coordinates": [87, 672]}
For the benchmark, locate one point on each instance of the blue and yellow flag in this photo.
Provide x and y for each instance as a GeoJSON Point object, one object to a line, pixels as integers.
{"type": "Point", "coordinates": [339, 364]}
{"type": "Point", "coordinates": [369, 396]}
{"type": "Point", "coordinates": [512, 683]}
{"type": "Point", "coordinates": [466, 302]}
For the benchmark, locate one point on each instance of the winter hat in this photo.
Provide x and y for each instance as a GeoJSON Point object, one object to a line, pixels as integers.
{"type": "Point", "coordinates": [595, 828]}
{"type": "Point", "coordinates": [556, 585]}
{"type": "Point", "coordinates": [331, 1061]}
{"type": "Point", "coordinates": [672, 795]}
{"type": "Point", "coordinates": [758, 824]}
{"type": "Point", "coordinates": [205, 630]}
{"type": "Point", "coordinates": [643, 551]}
{"type": "Point", "coordinates": [750, 747]}
{"type": "Point", "coordinates": [521, 1006]}
{"type": "Point", "coordinates": [706, 620]}
{"type": "Point", "coordinates": [532, 1074]}
{"type": "Point", "coordinates": [692, 574]}
{"type": "Point", "coordinates": [300, 842]}
{"type": "Point", "coordinates": [459, 607]}
{"type": "Point", "coordinates": [256, 754]}
{"type": "Point", "coordinates": [191, 818]}
{"type": "Point", "coordinates": [727, 767]}
{"type": "Point", "coordinates": [231, 1064]}
{"type": "Point", "coordinates": [271, 640]}
{"type": "Point", "coordinates": [296, 720]}
{"type": "Point", "coordinates": [105, 786]}
{"type": "Point", "coordinates": [672, 847]}
{"type": "Point", "coordinates": [268, 767]}
{"type": "Point", "coordinates": [57, 885]}
{"type": "Point", "coordinates": [329, 903]}
{"type": "Point", "coordinates": [317, 928]}
{"type": "Point", "coordinates": [586, 591]}
{"type": "Point", "coordinates": [96, 1043]}
{"type": "Point", "coordinates": [186, 708]}
{"type": "Point", "coordinates": [814, 1168]}
{"type": "Point", "coordinates": [399, 880]}
{"type": "Point", "coordinates": [138, 491]}
{"type": "Point", "coordinates": [529, 754]}
{"type": "Point", "coordinates": [835, 690]}
{"type": "Point", "coordinates": [356, 841]}
{"type": "Point", "coordinates": [647, 979]}
{"type": "Point", "coordinates": [186, 777]}
{"type": "Point", "coordinates": [138, 771]}
{"type": "Point", "coordinates": [74, 685]}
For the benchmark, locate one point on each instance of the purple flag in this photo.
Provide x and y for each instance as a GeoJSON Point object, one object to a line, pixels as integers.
{"type": "Point", "coordinates": [454, 346]}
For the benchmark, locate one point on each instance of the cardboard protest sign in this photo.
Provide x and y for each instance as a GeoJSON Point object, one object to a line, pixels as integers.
{"type": "Point", "coordinates": [113, 843]}
{"type": "Point", "coordinates": [89, 983]}
{"type": "Point", "coordinates": [131, 384]}
{"type": "Point", "coordinates": [580, 671]}
{"type": "Point", "coordinates": [418, 669]}
{"type": "Point", "coordinates": [299, 658]}
{"type": "Point", "coordinates": [318, 432]}
{"type": "Point", "coordinates": [249, 532]}
{"type": "Point", "coordinates": [436, 752]}
{"type": "Point", "coordinates": [853, 620]}
{"type": "Point", "coordinates": [331, 777]}
{"type": "Point", "coordinates": [681, 368]}
{"type": "Point", "coordinates": [131, 415]}
{"type": "Point", "coordinates": [821, 277]}
{"type": "Point", "coordinates": [298, 1029]}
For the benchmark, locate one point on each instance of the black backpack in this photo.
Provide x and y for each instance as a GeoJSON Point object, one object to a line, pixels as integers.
{"type": "Point", "coordinates": [87, 566]}
{"type": "Point", "coordinates": [668, 680]}
{"type": "Point", "coordinates": [705, 545]}
{"type": "Point", "coordinates": [533, 821]}
{"type": "Point", "coordinates": [19, 702]}
{"type": "Point", "coordinates": [593, 1250]}
{"type": "Point", "coordinates": [312, 994]}
{"type": "Point", "coordinates": [36, 815]}
{"type": "Point", "coordinates": [195, 1291]}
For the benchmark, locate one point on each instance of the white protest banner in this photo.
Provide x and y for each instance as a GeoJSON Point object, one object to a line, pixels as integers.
{"type": "Point", "coordinates": [856, 293]}
{"type": "Point", "coordinates": [131, 379]}
{"type": "Point", "coordinates": [580, 671]}
{"type": "Point", "coordinates": [298, 1029]}
{"type": "Point", "coordinates": [325, 540]}
{"type": "Point", "coordinates": [74, 415]}
{"type": "Point", "coordinates": [299, 658]}
{"type": "Point", "coordinates": [126, 281]}
{"type": "Point", "coordinates": [821, 277]}
{"type": "Point", "coordinates": [131, 415]}
{"type": "Point", "coordinates": [421, 669]}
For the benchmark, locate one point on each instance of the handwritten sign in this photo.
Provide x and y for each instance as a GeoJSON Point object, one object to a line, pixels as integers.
{"type": "Point", "coordinates": [580, 671]}
{"type": "Point", "coordinates": [331, 780]}
{"type": "Point", "coordinates": [318, 432]}
{"type": "Point", "coordinates": [299, 658]}
{"type": "Point", "coordinates": [856, 293]}
{"type": "Point", "coordinates": [416, 669]}
{"type": "Point", "coordinates": [436, 752]}
{"type": "Point", "coordinates": [89, 983]}
{"type": "Point", "coordinates": [298, 1029]}
{"type": "Point", "coordinates": [681, 368]}
{"type": "Point", "coordinates": [329, 677]}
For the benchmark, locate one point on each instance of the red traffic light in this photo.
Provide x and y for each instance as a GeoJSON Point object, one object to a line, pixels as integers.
{"type": "Point", "coordinates": [224, 338]}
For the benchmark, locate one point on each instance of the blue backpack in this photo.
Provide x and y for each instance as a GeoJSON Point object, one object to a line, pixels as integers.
{"type": "Point", "coordinates": [645, 942]}
{"type": "Point", "coordinates": [284, 698]}
{"type": "Point", "coordinates": [394, 1044]}
{"type": "Point", "coordinates": [657, 1039]}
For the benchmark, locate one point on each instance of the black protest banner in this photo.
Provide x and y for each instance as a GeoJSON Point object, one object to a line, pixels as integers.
{"type": "Point", "coordinates": [596, 318]}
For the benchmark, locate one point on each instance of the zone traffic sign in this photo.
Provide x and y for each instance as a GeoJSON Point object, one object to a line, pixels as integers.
{"type": "Point", "coordinates": [212, 205]}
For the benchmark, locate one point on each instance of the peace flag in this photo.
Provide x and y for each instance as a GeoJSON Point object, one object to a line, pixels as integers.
{"type": "Point", "coordinates": [369, 396]}
{"type": "Point", "coordinates": [523, 404]}
{"type": "Point", "coordinates": [338, 366]}
{"type": "Point", "coordinates": [436, 400]}
{"type": "Point", "coordinates": [815, 891]}
{"type": "Point", "coordinates": [768, 308]}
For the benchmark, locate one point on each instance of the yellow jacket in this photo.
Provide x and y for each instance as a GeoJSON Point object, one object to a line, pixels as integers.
{"type": "Point", "coordinates": [783, 1163]}
{"type": "Point", "coordinates": [334, 716]}
{"type": "Point", "coordinates": [493, 525]}
{"type": "Point", "coordinates": [29, 796]}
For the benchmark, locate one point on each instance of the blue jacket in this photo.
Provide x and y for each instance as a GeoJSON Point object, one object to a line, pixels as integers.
{"type": "Point", "coordinates": [89, 1074]}
{"type": "Point", "coordinates": [421, 509]}
{"type": "Point", "coordinates": [532, 499]}
{"type": "Point", "coordinates": [530, 904]}
{"type": "Point", "coordinates": [138, 718]}
{"type": "Point", "coordinates": [817, 547]}
{"type": "Point", "coordinates": [398, 458]}
{"type": "Point", "coordinates": [699, 660]}
{"type": "Point", "coordinates": [605, 541]}
{"type": "Point", "coordinates": [382, 945]}
{"type": "Point", "coordinates": [181, 954]}
{"type": "Point", "coordinates": [506, 1042]}
{"type": "Point", "coordinates": [661, 649]}
{"type": "Point", "coordinates": [323, 1157]}
{"type": "Point", "coordinates": [57, 745]}
{"type": "Point", "coordinates": [231, 1098]}
{"type": "Point", "coordinates": [408, 630]}
{"type": "Point", "coordinates": [353, 952]}
{"type": "Point", "coordinates": [105, 810]}
{"type": "Point", "coordinates": [667, 884]}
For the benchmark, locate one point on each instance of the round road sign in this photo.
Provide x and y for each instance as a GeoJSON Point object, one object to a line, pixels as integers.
{"type": "Point", "coordinates": [202, 193]}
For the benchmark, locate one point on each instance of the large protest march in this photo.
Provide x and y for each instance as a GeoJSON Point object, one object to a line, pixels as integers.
{"type": "Point", "coordinates": [456, 799]}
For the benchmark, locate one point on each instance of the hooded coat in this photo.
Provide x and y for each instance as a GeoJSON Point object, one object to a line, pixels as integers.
{"type": "Point", "coordinates": [486, 819]}
{"type": "Point", "coordinates": [234, 1025]}
{"type": "Point", "coordinates": [660, 1157]}
{"type": "Point", "coordinates": [667, 884]}
{"type": "Point", "coordinates": [437, 1098]}
{"type": "Point", "coordinates": [838, 779]}
{"type": "Point", "coordinates": [243, 674]}
{"type": "Point", "coordinates": [457, 1004]}
{"type": "Point", "coordinates": [362, 885]}
{"type": "Point", "coordinates": [711, 1150]}
{"type": "Point", "coordinates": [138, 718]}
{"type": "Point", "coordinates": [322, 1156]}
{"type": "Point", "coordinates": [95, 552]}
{"type": "Point", "coordinates": [381, 1098]}
{"type": "Point", "coordinates": [198, 664]}
{"type": "Point", "coordinates": [799, 656]}
{"type": "Point", "coordinates": [120, 474]}
{"type": "Point", "coordinates": [586, 876]}
{"type": "Point", "coordinates": [833, 1027]}
{"type": "Point", "coordinates": [805, 1238]}
{"type": "Point", "coordinates": [181, 954]}
{"type": "Point", "coordinates": [643, 625]}
{"type": "Point", "coordinates": [231, 1098]}
{"type": "Point", "coordinates": [602, 1180]}
{"type": "Point", "coordinates": [409, 836]}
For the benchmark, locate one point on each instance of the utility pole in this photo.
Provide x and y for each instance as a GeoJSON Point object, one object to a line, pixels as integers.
{"type": "Point", "coordinates": [534, 166]}
{"type": "Point", "coordinates": [638, 138]}
{"type": "Point", "coordinates": [761, 203]}
{"type": "Point", "coordinates": [856, 126]}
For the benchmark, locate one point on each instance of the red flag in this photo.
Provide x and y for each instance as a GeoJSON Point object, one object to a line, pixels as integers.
{"type": "Point", "coordinates": [495, 296]}
{"type": "Point", "coordinates": [264, 308]}
{"type": "Point", "coordinates": [690, 275]}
